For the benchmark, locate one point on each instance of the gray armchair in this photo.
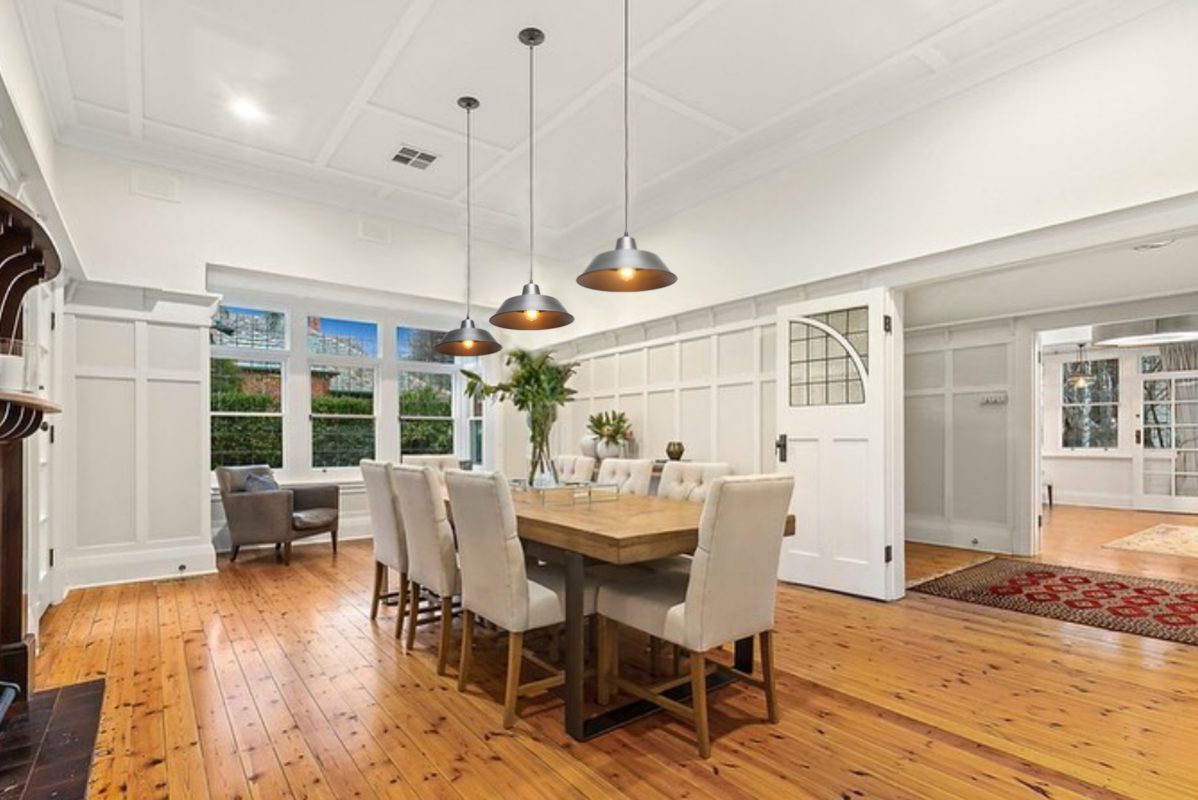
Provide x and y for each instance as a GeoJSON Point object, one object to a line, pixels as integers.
{"type": "Point", "coordinates": [276, 517]}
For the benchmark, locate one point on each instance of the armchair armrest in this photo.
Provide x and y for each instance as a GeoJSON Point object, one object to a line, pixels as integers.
{"type": "Point", "coordinates": [259, 517]}
{"type": "Point", "coordinates": [322, 496]}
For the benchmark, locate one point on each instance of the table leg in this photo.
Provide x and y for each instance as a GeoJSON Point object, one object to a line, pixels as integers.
{"type": "Point", "coordinates": [575, 645]}
{"type": "Point", "coordinates": [744, 655]}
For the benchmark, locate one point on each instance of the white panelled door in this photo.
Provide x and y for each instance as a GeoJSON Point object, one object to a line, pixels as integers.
{"type": "Point", "coordinates": [1165, 462]}
{"type": "Point", "coordinates": [840, 429]}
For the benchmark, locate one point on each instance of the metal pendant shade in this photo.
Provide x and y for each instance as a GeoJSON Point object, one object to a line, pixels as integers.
{"type": "Point", "coordinates": [626, 268]}
{"type": "Point", "coordinates": [530, 310]}
{"type": "Point", "coordinates": [468, 339]}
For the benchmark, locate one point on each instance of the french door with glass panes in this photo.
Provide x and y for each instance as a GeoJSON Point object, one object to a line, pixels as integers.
{"type": "Point", "coordinates": [1166, 441]}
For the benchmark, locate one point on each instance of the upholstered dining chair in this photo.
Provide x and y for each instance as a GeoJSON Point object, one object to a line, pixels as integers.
{"type": "Point", "coordinates": [499, 586]}
{"type": "Point", "coordinates": [432, 558]}
{"type": "Point", "coordinates": [386, 527]}
{"type": "Point", "coordinates": [690, 480]}
{"type": "Point", "coordinates": [631, 475]}
{"type": "Point", "coordinates": [727, 595]}
{"type": "Point", "coordinates": [439, 463]}
{"type": "Point", "coordinates": [574, 468]}
{"type": "Point", "coordinates": [258, 511]}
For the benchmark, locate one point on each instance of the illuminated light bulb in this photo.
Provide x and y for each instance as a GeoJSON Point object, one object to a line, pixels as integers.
{"type": "Point", "coordinates": [468, 344]}
{"type": "Point", "coordinates": [627, 273]}
{"type": "Point", "coordinates": [531, 314]}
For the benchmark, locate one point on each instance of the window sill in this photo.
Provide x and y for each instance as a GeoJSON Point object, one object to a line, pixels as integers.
{"type": "Point", "coordinates": [1113, 455]}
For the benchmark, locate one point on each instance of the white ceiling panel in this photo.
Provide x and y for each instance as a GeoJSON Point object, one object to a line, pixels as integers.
{"type": "Point", "coordinates": [471, 47]}
{"type": "Point", "coordinates": [580, 163]}
{"type": "Point", "coordinates": [723, 92]}
{"type": "Point", "coordinates": [300, 63]}
{"type": "Point", "coordinates": [95, 51]}
{"type": "Point", "coordinates": [761, 57]}
{"type": "Point", "coordinates": [375, 137]}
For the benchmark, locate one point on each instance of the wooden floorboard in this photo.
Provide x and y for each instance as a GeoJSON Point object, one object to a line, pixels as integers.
{"type": "Point", "coordinates": [266, 681]}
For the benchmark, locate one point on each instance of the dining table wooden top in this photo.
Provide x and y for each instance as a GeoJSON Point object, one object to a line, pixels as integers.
{"type": "Point", "coordinates": [624, 530]}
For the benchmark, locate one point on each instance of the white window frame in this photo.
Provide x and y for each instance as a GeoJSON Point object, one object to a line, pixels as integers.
{"type": "Point", "coordinates": [1115, 404]}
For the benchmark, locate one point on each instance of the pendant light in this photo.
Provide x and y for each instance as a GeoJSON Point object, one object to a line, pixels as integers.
{"type": "Point", "coordinates": [626, 268]}
{"type": "Point", "coordinates": [1082, 378]}
{"type": "Point", "coordinates": [530, 310]}
{"type": "Point", "coordinates": [467, 339]}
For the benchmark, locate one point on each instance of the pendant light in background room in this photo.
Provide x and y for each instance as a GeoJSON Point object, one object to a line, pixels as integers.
{"type": "Point", "coordinates": [530, 310]}
{"type": "Point", "coordinates": [467, 339]}
{"type": "Point", "coordinates": [626, 268]}
{"type": "Point", "coordinates": [1083, 375]}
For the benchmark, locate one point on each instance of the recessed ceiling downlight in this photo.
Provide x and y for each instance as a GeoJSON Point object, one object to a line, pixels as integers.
{"type": "Point", "coordinates": [246, 109]}
{"type": "Point", "coordinates": [1157, 245]}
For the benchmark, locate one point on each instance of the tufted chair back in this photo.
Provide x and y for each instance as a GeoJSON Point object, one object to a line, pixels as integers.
{"type": "Point", "coordinates": [432, 558]}
{"type": "Point", "coordinates": [735, 572]}
{"type": "Point", "coordinates": [439, 465]}
{"type": "Point", "coordinates": [690, 480]}
{"type": "Point", "coordinates": [574, 468]}
{"type": "Point", "coordinates": [385, 523]}
{"type": "Point", "coordinates": [631, 475]}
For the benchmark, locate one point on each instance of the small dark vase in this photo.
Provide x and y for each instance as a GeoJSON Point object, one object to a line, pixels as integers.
{"type": "Point", "coordinates": [675, 450]}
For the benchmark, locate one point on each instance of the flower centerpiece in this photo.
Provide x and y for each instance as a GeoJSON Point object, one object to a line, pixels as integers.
{"type": "Point", "coordinates": [538, 387]}
{"type": "Point", "coordinates": [613, 431]}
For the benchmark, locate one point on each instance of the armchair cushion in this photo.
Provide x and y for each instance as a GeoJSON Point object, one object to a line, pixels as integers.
{"type": "Point", "coordinates": [260, 483]}
{"type": "Point", "coordinates": [313, 518]}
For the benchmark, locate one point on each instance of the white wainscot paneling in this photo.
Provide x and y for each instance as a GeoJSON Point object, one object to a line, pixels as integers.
{"type": "Point", "coordinates": [696, 359]}
{"type": "Point", "coordinates": [924, 455]}
{"type": "Point", "coordinates": [694, 423]}
{"type": "Point", "coordinates": [769, 344]}
{"type": "Point", "coordinates": [979, 460]}
{"type": "Point", "coordinates": [980, 366]}
{"type": "Point", "coordinates": [603, 374]}
{"type": "Point", "coordinates": [632, 369]}
{"type": "Point", "coordinates": [663, 364]}
{"type": "Point", "coordinates": [735, 353]}
{"type": "Point", "coordinates": [174, 348]}
{"type": "Point", "coordinates": [634, 406]}
{"type": "Point", "coordinates": [660, 423]}
{"type": "Point", "coordinates": [105, 461]}
{"type": "Point", "coordinates": [924, 371]}
{"type": "Point", "coordinates": [734, 427]}
{"type": "Point", "coordinates": [104, 344]}
{"type": "Point", "coordinates": [1099, 480]}
{"type": "Point", "coordinates": [769, 425]}
{"type": "Point", "coordinates": [174, 441]}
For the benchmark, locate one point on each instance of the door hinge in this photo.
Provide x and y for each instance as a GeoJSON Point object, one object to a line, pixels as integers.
{"type": "Point", "coordinates": [51, 556]}
{"type": "Point", "coordinates": [1039, 520]}
{"type": "Point", "coordinates": [889, 553]}
{"type": "Point", "coordinates": [887, 323]}
{"type": "Point", "coordinates": [51, 434]}
{"type": "Point", "coordinates": [53, 320]}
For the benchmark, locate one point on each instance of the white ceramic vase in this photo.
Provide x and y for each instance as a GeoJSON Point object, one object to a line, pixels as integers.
{"type": "Point", "coordinates": [587, 445]}
{"type": "Point", "coordinates": [606, 450]}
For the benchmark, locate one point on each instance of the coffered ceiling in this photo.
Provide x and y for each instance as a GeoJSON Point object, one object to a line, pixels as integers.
{"type": "Point", "coordinates": [723, 91]}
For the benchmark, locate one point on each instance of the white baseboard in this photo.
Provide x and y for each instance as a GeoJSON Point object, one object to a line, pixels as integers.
{"type": "Point", "coordinates": [350, 527]}
{"type": "Point", "coordinates": [983, 536]}
{"type": "Point", "coordinates": [1093, 499]}
{"type": "Point", "coordinates": [85, 569]}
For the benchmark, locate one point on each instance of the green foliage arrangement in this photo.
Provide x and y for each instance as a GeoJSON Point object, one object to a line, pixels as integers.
{"type": "Point", "coordinates": [538, 386]}
{"type": "Point", "coordinates": [612, 427]}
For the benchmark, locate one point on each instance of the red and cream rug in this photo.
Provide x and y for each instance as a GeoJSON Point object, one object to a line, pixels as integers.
{"type": "Point", "coordinates": [1144, 606]}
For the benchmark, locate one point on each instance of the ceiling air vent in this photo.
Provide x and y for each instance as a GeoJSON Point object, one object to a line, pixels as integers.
{"type": "Point", "coordinates": [413, 157]}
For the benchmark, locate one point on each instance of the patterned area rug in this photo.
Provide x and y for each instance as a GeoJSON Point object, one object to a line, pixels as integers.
{"type": "Point", "coordinates": [1147, 607]}
{"type": "Point", "coordinates": [1173, 540]}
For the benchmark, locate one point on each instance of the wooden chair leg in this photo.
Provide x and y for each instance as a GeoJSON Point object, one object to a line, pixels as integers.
{"type": "Point", "coordinates": [654, 654]}
{"type": "Point", "coordinates": [446, 634]}
{"type": "Point", "coordinates": [413, 606]}
{"type": "Point", "coordinates": [333, 536]}
{"type": "Point", "coordinates": [515, 656]}
{"type": "Point", "coordinates": [603, 661]}
{"type": "Point", "coordinates": [677, 659]}
{"type": "Point", "coordinates": [554, 646]}
{"type": "Point", "coordinates": [403, 604]}
{"type": "Point", "coordinates": [376, 594]}
{"type": "Point", "coordinates": [233, 555]}
{"type": "Point", "coordinates": [467, 656]}
{"type": "Point", "coordinates": [699, 699]}
{"type": "Point", "coordinates": [279, 552]}
{"type": "Point", "coordinates": [287, 554]}
{"type": "Point", "coordinates": [767, 674]}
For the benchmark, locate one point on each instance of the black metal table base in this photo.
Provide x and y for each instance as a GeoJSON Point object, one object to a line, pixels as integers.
{"type": "Point", "coordinates": [628, 713]}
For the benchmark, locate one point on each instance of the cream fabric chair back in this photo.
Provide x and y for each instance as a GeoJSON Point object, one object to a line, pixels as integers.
{"type": "Point", "coordinates": [494, 580]}
{"type": "Point", "coordinates": [630, 474]}
{"type": "Point", "coordinates": [385, 524]}
{"type": "Point", "coordinates": [690, 480]}
{"type": "Point", "coordinates": [574, 468]}
{"type": "Point", "coordinates": [439, 464]}
{"type": "Point", "coordinates": [734, 576]}
{"type": "Point", "coordinates": [432, 560]}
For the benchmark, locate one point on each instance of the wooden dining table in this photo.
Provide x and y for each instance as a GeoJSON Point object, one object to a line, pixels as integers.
{"type": "Point", "coordinates": [626, 529]}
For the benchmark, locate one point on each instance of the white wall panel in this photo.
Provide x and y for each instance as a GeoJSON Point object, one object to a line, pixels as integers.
{"type": "Point", "coordinates": [173, 348]}
{"type": "Point", "coordinates": [603, 374]}
{"type": "Point", "coordinates": [632, 369]}
{"type": "Point", "coordinates": [663, 364]}
{"type": "Point", "coordinates": [980, 366]}
{"type": "Point", "coordinates": [174, 443]}
{"type": "Point", "coordinates": [105, 460]}
{"type": "Point", "coordinates": [694, 423]}
{"type": "Point", "coordinates": [660, 423]}
{"type": "Point", "coordinates": [735, 427]}
{"type": "Point", "coordinates": [696, 359]}
{"type": "Point", "coordinates": [979, 460]}
{"type": "Point", "coordinates": [924, 454]}
{"type": "Point", "coordinates": [104, 344]}
{"type": "Point", "coordinates": [768, 422]}
{"type": "Point", "coordinates": [735, 353]}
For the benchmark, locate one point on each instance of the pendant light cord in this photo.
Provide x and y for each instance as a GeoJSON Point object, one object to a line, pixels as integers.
{"type": "Point", "coordinates": [531, 207]}
{"type": "Point", "coordinates": [469, 213]}
{"type": "Point", "coordinates": [626, 201]}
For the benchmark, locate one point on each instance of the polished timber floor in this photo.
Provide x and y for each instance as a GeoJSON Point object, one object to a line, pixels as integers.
{"type": "Point", "coordinates": [270, 682]}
